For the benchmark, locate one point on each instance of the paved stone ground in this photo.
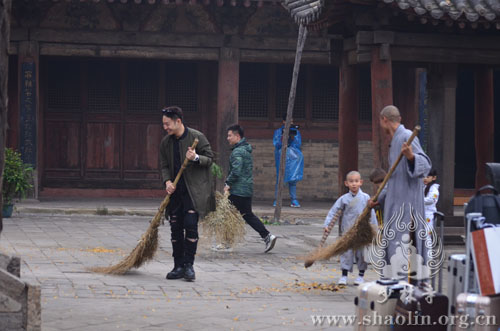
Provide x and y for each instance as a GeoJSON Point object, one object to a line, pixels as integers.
{"type": "Point", "coordinates": [242, 290]}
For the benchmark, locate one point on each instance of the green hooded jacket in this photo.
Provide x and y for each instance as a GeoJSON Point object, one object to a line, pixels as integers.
{"type": "Point", "coordinates": [197, 175]}
{"type": "Point", "coordinates": [240, 177]}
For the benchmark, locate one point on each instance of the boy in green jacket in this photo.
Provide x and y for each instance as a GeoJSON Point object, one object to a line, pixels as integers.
{"type": "Point", "coordinates": [239, 182]}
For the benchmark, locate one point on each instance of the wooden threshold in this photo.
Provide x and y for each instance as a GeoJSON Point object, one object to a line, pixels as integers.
{"type": "Point", "coordinates": [102, 193]}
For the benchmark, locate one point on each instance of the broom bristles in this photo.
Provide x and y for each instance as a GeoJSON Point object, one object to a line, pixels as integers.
{"type": "Point", "coordinates": [225, 224]}
{"type": "Point", "coordinates": [143, 252]}
{"type": "Point", "coordinates": [358, 236]}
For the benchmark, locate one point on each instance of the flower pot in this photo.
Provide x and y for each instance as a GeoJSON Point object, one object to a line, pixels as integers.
{"type": "Point", "coordinates": [7, 211]}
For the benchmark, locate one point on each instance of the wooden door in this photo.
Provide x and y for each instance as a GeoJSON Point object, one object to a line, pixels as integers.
{"type": "Point", "coordinates": [102, 119]}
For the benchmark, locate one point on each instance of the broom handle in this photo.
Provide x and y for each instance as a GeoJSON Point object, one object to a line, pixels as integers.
{"type": "Point", "coordinates": [416, 130]}
{"type": "Point", "coordinates": [330, 227]}
{"type": "Point", "coordinates": [165, 202]}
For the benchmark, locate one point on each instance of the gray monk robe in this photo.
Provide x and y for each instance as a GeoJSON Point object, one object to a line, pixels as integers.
{"type": "Point", "coordinates": [352, 206]}
{"type": "Point", "coordinates": [403, 194]}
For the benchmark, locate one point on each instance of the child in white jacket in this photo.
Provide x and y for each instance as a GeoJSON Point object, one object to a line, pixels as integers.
{"type": "Point", "coordinates": [431, 196]}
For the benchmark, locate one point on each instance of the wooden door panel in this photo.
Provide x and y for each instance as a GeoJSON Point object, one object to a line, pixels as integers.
{"type": "Point", "coordinates": [62, 145]}
{"type": "Point", "coordinates": [103, 147]}
{"type": "Point", "coordinates": [154, 136]}
{"type": "Point", "coordinates": [142, 141]}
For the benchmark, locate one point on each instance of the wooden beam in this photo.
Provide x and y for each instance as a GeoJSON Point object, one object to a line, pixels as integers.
{"type": "Point", "coordinates": [122, 38]}
{"type": "Point", "coordinates": [169, 53]}
{"type": "Point", "coordinates": [444, 55]}
{"type": "Point", "coordinates": [383, 37]}
{"type": "Point", "coordinates": [280, 56]}
{"type": "Point", "coordinates": [118, 38]}
{"type": "Point", "coordinates": [381, 86]}
{"type": "Point", "coordinates": [484, 123]}
{"type": "Point", "coordinates": [348, 122]}
{"type": "Point", "coordinates": [227, 101]}
{"type": "Point", "coordinates": [447, 41]}
{"type": "Point", "coordinates": [442, 82]}
{"type": "Point", "coordinates": [364, 38]}
{"type": "Point", "coordinates": [276, 43]}
{"type": "Point", "coordinates": [178, 53]}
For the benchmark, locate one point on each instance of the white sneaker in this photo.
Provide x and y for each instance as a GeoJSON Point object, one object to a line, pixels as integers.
{"type": "Point", "coordinates": [343, 280]}
{"type": "Point", "coordinates": [270, 240]}
{"type": "Point", "coordinates": [359, 280]}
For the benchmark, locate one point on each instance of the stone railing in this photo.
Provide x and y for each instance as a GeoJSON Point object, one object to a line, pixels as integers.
{"type": "Point", "coordinates": [20, 304]}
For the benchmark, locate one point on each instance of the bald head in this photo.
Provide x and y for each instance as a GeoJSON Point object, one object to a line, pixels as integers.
{"type": "Point", "coordinates": [352, 173]}
{"type": "Point", "coordinates": [391, 113]}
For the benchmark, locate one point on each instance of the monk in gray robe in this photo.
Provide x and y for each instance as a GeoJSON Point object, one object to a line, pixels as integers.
{"type": "Point", "coordinates": [402, 197]}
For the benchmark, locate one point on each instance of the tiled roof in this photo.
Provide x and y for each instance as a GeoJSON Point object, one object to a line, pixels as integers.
{"type": "Point", "coordinates": [246, 3]}
{"type": "Point", "coordinates": [471, 10]}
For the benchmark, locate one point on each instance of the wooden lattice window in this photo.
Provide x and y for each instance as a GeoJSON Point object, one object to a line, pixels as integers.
{"type": "Point", "coordinates": [63, 86]}
{"type": "Point", "coordinates": [182, 86]}
{"type": "Point", "coordinates": [104, 86]}
{"type": "Point", "coordinates": [365, 95]}
{"type": "Point", "coordinates": [142, 87]}
{"type": "Point", "coordinates": [325, 93]}
{"type": "Point", "coordinates": [283, 82]}
{"type": "Point", "coordinates": [253, 98]}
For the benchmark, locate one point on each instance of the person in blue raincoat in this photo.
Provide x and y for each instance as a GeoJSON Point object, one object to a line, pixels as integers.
{"type": "Point", "coordinates": [294, 167]}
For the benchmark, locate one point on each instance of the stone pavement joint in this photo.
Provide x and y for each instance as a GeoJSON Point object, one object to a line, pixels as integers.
{"type": "Point", "coordinates": [149, 207]}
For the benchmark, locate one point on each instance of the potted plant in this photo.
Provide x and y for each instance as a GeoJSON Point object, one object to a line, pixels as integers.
{"type": "Point", "coordinates": [16, 180]}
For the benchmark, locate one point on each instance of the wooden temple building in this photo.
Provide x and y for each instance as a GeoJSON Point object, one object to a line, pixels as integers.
{"type": "Point", "coordinates": [88, 78]}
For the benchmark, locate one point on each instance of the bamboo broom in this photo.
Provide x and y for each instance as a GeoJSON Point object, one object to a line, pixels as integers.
{"type": "Point", "coordinates": [146, 248]}
{"type": "Point", "coordinates": [336, 217]}
{"type": "Point", "coordinates": [225, 224]}
{"type": "Point", "coordinates": [362, 233]}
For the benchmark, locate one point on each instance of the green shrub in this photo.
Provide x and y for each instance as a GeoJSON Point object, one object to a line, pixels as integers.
{"type": "Point", "coordinates": [16, 177]}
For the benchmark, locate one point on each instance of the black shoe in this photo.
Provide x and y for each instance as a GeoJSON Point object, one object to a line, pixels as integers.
{"type": "Point", "coordinates": [189, 272]}
{"type": "Point", "coordinates": [176, 273]}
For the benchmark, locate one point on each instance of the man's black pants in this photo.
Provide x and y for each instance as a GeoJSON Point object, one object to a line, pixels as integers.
{"type": "Point", "coordinates": [244, 206]}
{"type": "Point", "coordinates": [184, 230]}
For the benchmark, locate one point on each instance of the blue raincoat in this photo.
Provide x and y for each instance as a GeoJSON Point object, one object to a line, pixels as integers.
{"type": "Point", "coordinates": [294, 168]}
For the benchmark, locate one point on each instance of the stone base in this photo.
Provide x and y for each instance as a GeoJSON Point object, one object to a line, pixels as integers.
{"type": "Point", "coordinates": [20, 302]}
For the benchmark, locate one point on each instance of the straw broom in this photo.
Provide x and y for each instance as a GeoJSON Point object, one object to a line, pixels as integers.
{"type": "Point", "coordinates": [146, 248]}
{"type": "Point", "coordinates": [336, 217]}
{"type": "Point", "coordinates": [225, 224]}
{"type": "Point", "coordinates": [362, 233]}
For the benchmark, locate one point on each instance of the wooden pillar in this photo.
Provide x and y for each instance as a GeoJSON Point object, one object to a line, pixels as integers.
{"type": "Point", "coordinates": [406, 94]}
{"type": "Point", "coordinates": [348, 122]}
{"type": "Point", "coordinates": [381, 83]}
{"type": "Point", "coordinates": [30, 131]}
{"type": "Point", "coordinates": [442, 84]}
{"type": "Point", "coordinates": [484, 124]}
{"type": "Point", "coordinates": [5, 8]}
{"type": "Point", "coordinates": [13, 129]}
{"type": "Point", "coordinates": [227, 101]}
